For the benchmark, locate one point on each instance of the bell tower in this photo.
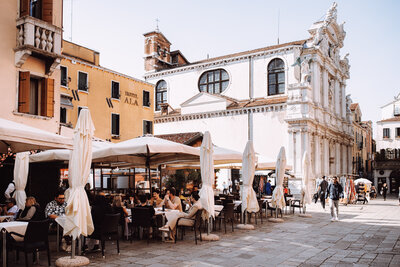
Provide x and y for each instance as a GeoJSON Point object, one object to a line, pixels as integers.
{"type": "Point", "coordinates": [156, 51]}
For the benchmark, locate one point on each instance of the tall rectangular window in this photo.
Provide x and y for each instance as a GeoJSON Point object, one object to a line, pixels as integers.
{"type": "Point", "coordinates": [115, 90]}
{"type": "Point", "coordinates": [386, 133]}
{"type": "Point", "coordinates": [146, 98]}
{"type": "Point", "coordinates": [115, 124]}
{"type": "Point", "coordinates": [83, 84]}
{"type": "Point", "coordinates": [63, 115]}
{"type": "Point", "coordinates": [64, 76]}
{"type": "Point", "coordinates": [397, 132]}
{"type": "Point", "coordinates": [147, 127]}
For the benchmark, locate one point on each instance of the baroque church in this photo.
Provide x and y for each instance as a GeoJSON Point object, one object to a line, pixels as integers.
{"type": "Point", "coordinates": [291, 95]}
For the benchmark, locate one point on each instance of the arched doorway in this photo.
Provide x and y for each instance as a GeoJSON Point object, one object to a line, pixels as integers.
{"type": "Point", "coordinates": [394, 180]}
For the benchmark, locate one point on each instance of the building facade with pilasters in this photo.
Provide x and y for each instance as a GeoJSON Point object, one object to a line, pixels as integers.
{"type": "Point", "coordinates": [291, 95]}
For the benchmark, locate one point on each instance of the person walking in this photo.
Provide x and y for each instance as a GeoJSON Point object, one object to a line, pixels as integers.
{"type": "Point", "coordinates": [322, 191]}
{"type": "Point", "coordinates": [384, 191]}
{"type": "Point", "coordinates": [335, 190]}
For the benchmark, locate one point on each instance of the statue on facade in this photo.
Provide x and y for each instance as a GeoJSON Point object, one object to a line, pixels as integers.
{"type": "Point", "coordinates": [331, 14]}
{"type": "Point", "coordinates": [348, 103]}
{"type": "Point", "coordinates": [344, 63]}
{"type": "Point", "coordinates": [305, 70]}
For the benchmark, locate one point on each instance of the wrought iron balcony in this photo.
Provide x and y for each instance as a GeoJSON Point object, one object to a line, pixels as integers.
{"type": "Point", "coordinates": [40, 39]}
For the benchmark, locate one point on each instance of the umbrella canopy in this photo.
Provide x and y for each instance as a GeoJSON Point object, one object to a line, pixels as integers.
{"type": "Point", "coordinates": [78, 216]}
{"type": "Point", "coordinates": [362, 180]}
{"type": "Point", "coordinates": [146, 151]}
{"type": "Point", "coordinates": [62, 154]}
{"type": "Point", "coordinates": [278, 199]}
{"type": "Point", "coordinates": [305, 191]}
{"type": "Point", "coordinates": [20, 137]}
{"type": "Point", "coordinates": [21, 168]}
{"type": "Point", "coordinates": [207, 175]}
{"type": "Point", "coordinates": [266, 163]}
{"type": "Point", "coordinates": [249, 197]}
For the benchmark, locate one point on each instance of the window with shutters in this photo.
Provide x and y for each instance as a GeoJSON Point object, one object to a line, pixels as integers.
{"type": "Point", "coordinates": [115, 124]}
{"type": "Point", "coordinates": [83, 84]}
{"type": "Point", "coordinates": [147, 127]}
{"type": "Point", "coordinates": [386, 132]}
{"type": "Point", "coordinates": [276, 77]}
{"type": "Point", "coordinates": [115, 90]}
{"type": "Point", "coordinates": [35, 95]}
{"type": "Point", "coordinates": [40, 9]}
{"type": "Point", "coordinates": [146, 98]}
{"type": "Point", "coordinates": [64, 76]}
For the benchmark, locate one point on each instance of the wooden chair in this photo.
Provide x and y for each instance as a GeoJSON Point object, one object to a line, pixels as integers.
{"type": "Point", "coordinates": [142, 217]}
{"type": "Point", "coordinates": [296, 203]}
{"type": "Point", "coordinates": [269, 207]}
{"type": "Point", "coordinates": [227, 215]}
{"type": "Point", "coordinates": [194, 223]}
{"type": "Point", "coordinates": [36, 239]}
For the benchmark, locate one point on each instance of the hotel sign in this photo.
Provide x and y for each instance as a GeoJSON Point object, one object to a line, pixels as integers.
{"type": "Point", "coordinates": [131, 98]}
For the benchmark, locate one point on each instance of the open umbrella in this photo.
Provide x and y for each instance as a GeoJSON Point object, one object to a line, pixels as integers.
{"type": "Point", "coordinates": [305, 191]}
{"type": "Point", "coordinates": [21, 168]}
{"type": "Point", "coordinates": [249, 197]}
{"type": "Point", "coordinates": [362, 180]}
{"type": "Point", "coordinates": [278, 199]}
{"type": "Point", "coordinates": [20, 137]}
{"type": "Point", "coordinates": [78, 215]}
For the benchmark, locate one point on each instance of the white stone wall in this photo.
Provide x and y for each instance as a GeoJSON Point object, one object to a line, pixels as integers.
{"type": "Point", "coordinates": [393, 141]}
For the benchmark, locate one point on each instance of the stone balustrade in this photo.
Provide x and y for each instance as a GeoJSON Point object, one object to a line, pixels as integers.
{"type": "Point", "coordinates": [43, 36]}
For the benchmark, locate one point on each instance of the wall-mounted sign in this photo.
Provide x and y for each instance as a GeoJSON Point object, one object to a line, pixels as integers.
{"type": "Point", "coordinates": [131, 98]}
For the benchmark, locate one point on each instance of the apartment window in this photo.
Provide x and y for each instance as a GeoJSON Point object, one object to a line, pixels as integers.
{"type": "Point", "coordinates": [115, 90]}
{"type": "Point", "coordinates": [161, 94]}
{"type": "Point", "coordinates": [398, 132]}
{"type": "Point", "coordinates": [83, 84]}
{"type": "Point", "coordinates": [386, 133]}
{"type": "Point", "coordinates": [63, 115]}
{"type": "Point", "coordinates": [214, 82]}
{"type": "Point", "coordinates": [146, 98]}
{"type": "Point", "coordinates": [115, 124]}
{"type": "Point", "coordinates": [276, 77]}
{"type": "Point", "coordinates": [40, 9]}
{"type": "Point", "coordinates": [64, 76]}
{"type": "Point", "coordinates": [35, 95]}
{"type": "Point", "coordinates": [147, 127]}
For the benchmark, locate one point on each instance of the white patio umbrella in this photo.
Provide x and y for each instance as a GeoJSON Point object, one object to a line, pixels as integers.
{"type": "Point", "coordinates": [362, 180]}
{"type": "Point", "coordinates": [21, 168]}
{"type": "Point", "coordinates": [20, 137]}
{"type": "Point", "coordinates": [278, 199]}
{"type": "Point", "coordinates": [305, 189]}
{"type": "Point", "coordinates": [78, 215]}
{"type": "Point", "coordinates": [207, 175]}
{"type": "Point", "coordinates": [249, 197]}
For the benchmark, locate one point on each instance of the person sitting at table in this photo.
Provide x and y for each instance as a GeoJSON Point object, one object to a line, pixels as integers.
{"type": "Point", "coordinates": [171, 201]}
{"type": "Point", "coordinates": [144, 203]}
{"type": "Point", "coordinates": [56, 207]}
{"type": "Point", "coordinates": [117, 207]}
{"type": "Point", "coordinates": [32, 211]}
{"type": "Point", "coordinates": [171, 224]}
{"type": "Point", "coordinates": [156, 198]}
{"type": "Point", "coordinates": [11, 208]}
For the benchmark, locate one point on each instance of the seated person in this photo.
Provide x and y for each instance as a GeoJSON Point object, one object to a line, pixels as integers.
{"type": "Point", "coordinates": [156, 198]}
{"type": "Point", "coordinates": [118, 207]}
{"type": "Point", "coordinates": [56, 207]}
{"type": "Point", "coordinates": [171, 224]}
{"type": "Point", "coordinates": [11, 208]}
{"type": "Point", "coordinates": [171, 201]}
{"type": "Point", "coordinates": [144, 203]}
{"type": "Point", "coordinates": [32, 211]}
{"type": "Point", "coordinates": [100, 208]}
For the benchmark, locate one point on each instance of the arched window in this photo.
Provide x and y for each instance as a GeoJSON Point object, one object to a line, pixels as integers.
{"type": "Point", "coordinates": [161, 94]}
{"type": "Point", "coordinates": [276, 77]}
{"type": "Point", "coordinates": [214, 81]}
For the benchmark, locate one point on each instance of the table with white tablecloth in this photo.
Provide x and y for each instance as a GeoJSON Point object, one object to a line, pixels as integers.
{"type": "Point", "coordinates": [17, 227]}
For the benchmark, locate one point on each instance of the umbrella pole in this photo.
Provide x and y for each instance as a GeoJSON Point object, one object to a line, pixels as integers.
{"type": "Point", "coordinates": [73, 248]}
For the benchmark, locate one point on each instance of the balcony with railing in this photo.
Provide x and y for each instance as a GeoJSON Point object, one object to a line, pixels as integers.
{"type": "Point", "coordinates": [40, 39]}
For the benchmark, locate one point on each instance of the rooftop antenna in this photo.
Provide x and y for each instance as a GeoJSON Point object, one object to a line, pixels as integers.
{"type": "Point", "coordinates": [72, 8]}
{"type": "Point", "coordinates": [157, 21]}
{"type": "Point", "coordinates": [279, 14]}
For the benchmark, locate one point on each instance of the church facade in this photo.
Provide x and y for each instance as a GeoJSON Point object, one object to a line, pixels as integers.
{"type": "Point", "coordinates": [291, 95]}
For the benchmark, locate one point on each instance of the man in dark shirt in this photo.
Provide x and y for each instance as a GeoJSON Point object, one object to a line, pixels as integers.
{"type": "Point", "coordinates": [335, 191]}
{"type": "Point", "coordinates": [322, 191]}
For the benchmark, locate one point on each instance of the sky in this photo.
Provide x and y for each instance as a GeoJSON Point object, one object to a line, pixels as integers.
{"type": "Point", "coordinates": [209, 27]}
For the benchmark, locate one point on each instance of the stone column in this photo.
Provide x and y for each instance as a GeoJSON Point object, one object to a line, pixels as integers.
{"type": "Point", "coordinates": [344, 159]}
{"type": "Point", "coordinates": [298, 153]}
{"type": "Point", "coordinates": [290, 155]}
{"type": "Point", "coordinates": [338, 159]}
{"type": "Point", "coordinates": [316, 85]}
{"type": "Point", "coordinates": [343, 88]}
{"type": "Point", "coordinates": [325, 88]}
{"type": "Point", "coordinates": [349, 159]}
{"type": "Point", "coordinates": [326, 156]}
{"type": "Point", "coordinates": [317, 155]}
{"type": "Point", "coordinates": [337, 99]}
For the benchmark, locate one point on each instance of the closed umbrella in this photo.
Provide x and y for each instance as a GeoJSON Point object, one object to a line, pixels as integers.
{"type": "Point", "coordinates": [21, 169]}
{"type": "Point", "coordinates": [249, 197]}
{"type": "Point", "coordinates": [207, 175]}
{"type": "Point", "coordinates": [78, 216]}
{"type": "Point", "coordinates": [305, 191]}
{"type": "Point", "coordinates": [278, 199]}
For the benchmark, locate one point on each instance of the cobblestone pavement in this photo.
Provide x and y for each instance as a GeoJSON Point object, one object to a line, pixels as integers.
{"type": "Point", "coordinates": [366, 235]}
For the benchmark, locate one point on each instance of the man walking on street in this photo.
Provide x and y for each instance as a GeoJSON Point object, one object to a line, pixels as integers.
{"type": "Point", "coordinates": [334, 192]}
{"type": "Point", "coordinates": [322, 191]}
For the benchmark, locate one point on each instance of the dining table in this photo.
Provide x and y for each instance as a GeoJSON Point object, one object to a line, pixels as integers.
{"type": "Point", "coordinates": [7, 227]}
{"type": "Point", "coordinates": [6, 218]}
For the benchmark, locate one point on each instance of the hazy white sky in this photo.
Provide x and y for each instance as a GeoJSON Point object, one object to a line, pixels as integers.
{"type": "Point", "coordinates": [197, 28]}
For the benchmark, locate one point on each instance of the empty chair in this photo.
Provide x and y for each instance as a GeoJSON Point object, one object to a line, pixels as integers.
{"type": "Point", "coordinates": [142, 217]}
{"type": "Point", "coordinates": [227, 215]}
